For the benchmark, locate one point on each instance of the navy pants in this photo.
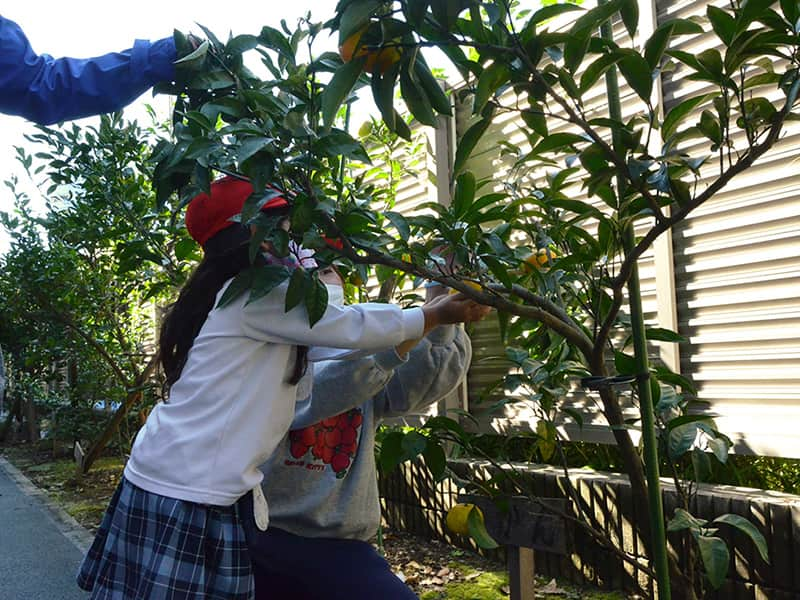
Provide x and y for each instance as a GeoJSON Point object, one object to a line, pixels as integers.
{"type": "Point", "coordinates": [291, 567]}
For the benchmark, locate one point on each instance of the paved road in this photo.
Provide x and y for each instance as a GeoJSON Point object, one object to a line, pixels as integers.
{"type": "Point", "coordinates": [38, 560]}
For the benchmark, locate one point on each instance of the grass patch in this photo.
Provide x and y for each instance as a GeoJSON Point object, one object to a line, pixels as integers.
{"type": "Point", "coordinates": [84, 498]}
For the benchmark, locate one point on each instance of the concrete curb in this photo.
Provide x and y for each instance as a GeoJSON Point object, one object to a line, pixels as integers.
{"type": "Point", "coordinates": [66, 524]}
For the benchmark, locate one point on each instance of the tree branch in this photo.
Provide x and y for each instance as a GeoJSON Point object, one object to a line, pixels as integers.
{"type": "Point", "coordinates": [683, 211]}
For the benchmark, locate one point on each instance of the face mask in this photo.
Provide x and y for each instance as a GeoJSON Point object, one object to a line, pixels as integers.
{"type": "Point", "coordinates": [335, 294]}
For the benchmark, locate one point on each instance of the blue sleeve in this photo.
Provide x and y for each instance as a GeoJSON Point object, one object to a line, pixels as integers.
{"type": "Point", "coordinates": [47, 90]}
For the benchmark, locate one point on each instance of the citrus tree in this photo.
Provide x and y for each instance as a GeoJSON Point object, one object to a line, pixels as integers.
{"type": "Point", "coordinates": [560, 285]}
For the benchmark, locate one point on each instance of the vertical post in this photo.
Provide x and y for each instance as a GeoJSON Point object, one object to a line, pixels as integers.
{"type": "Point", "coordinates": [658, 543]}
{"type": "Point", "coordinates": [521, 571]}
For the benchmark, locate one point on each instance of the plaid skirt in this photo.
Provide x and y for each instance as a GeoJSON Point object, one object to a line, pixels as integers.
{"type": "Point", "coordinates": [158, 548]}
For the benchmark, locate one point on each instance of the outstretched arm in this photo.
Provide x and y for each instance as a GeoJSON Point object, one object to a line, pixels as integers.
{"type": "Point", "coordinates": [434, 368]}
{"type": "Point", "coordinates": [340, 385]}
{"type": "Point", "coordinates": [47, 90]}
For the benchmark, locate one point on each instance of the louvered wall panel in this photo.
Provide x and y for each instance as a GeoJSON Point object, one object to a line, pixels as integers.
{"type": "Point", "coordinates": [737, 265]}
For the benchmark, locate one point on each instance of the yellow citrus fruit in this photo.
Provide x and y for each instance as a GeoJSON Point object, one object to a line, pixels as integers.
{"type": "Point", "coordinates": [457, 518]}
{"type": "Point", "coordinates": [406, 258]}
{"type": "Point", "coordinates": [378, 59]}
{"type": "Point", "coordinates": [539, 259]}
{"type": "Point", "coordinates": [365, 129]}
{"type": "Point", "coordinates": [474, 285]}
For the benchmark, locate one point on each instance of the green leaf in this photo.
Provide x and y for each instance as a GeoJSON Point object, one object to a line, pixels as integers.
{"type": "Point", "coordinates": [339, 88]}
{"type": "Point", "coordinates": [400, 223]}
{"type": "Point", "coordinates": [297, 288]}
{"type": "Point", "coordinates": [338, 142]}
{"type": "Point", "coordinates": [549, 12]}
{"type": "Point", "coordinates": [638, 74]}
{"type": "Point", "coordinates": [477, 530]}
{"type": "Point", "coordinates": [316, 300]}
{"type": "Point", "coordinates": [716, 558]}
{"type": "Point", "coordinates": [710, 127]}
{"type": "Point", "coordinates": [433, 90]}
{"type": "Point", "coordinates": [274, 39]}
{"type": "Point", "coordinates": [681, 439]}
{"type": "Point", "coordinates": [701, 463]}
{"type": "Point", "coordinates": [391, 451]}
{"type": "Point", "coordinates": [240, 284]}
{"type": "Point", "coordinates": [185, 249]}
{"type": "Point", "coordinates": [594, 18]}
{"type": "Point", "coordinates": [266, 279]}
{"type": "Point", "coordinates": [241, 44]}
{"type": "Point", "coordinates": [723, 23]}
{"type": "Point", "coordinates": [468, 142]}
{"type": "Point", "coordinates": [677, 114]}
{"type": "Point", "coordinates": [720, 449]}
{"type": "Point", "coordinates": [557, 142]}
{"type": "Point", "coordinates": [251, 146]}
{"type": "Point", "coordinates": [435, 459]}
{"type": "Point", "coordinates": [574, 51]}
{"type": "Point", "coordinates": [750, 530]}
{"type": "Point", "coordinates": [578, 207]}
{"type": "Point", "coordinates": [535, 119]}
{"type": "Point", "coordinates": [489, 81]}
{"type": "Point", "coordinates": [682, 520]}
{"type": "Point", "coordinates": [711, 60]}
{"type": "Point", "coordinates": [660, 334]}
{"type": "Point", "coordinates": [596, 70]}
{"type": "Point", "coordinates": [441, 423]}
{"type": "Point", "coordinates": [194, 59]}
{"type": "Point", "coordinates": [625, 364]}
{"type": "Point", "coordinates": [791, 10]}
{"type": "Point", "coordinates": [383, 85]}
{"type": "Point", "coordinates": [464, 193]}
{"type": "Point", "coordinates": [416, 100]}
{"type": "Point", "coordinates": [630, 16]}
{"type": "Point", "coordinates": [654, 47]}
{"type": "Point", "coordinates": [413, 444]}
{"type": "Point", "coordinates": [499, 270]}
{"type": "Point", "coordinates": [355, 17]}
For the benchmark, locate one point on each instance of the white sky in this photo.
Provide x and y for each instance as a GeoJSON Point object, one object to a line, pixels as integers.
{"type": "Point", "coordinates": [83, 28]}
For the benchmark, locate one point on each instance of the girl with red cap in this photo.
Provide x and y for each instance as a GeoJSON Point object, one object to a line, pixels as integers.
{"type": "Point", "coordinates": [173, 529]}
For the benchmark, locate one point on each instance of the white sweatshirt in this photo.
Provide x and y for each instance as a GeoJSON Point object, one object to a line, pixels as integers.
{"type": "Point", "coordinates": [231, 405]}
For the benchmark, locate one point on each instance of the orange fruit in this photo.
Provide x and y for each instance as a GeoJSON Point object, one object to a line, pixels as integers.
{"type": "Point", "coordinates": [379, 60]}
{"type": "Point", "coordinates": [539, 260]}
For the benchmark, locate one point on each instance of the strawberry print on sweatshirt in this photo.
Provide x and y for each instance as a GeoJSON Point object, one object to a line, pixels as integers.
{"type": "Point", "coordinates": [333, 441]}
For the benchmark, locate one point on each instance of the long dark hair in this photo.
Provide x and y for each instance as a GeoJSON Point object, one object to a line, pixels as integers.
{"type": "Point", "coordinates": [225, 256]}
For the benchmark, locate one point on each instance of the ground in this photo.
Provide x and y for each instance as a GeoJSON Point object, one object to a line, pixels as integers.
{"type": "Point", "coordinates": [433, 569]}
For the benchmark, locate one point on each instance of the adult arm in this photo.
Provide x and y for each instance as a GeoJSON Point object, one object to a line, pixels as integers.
{"type": "Point", "coordinates": [47, 90]}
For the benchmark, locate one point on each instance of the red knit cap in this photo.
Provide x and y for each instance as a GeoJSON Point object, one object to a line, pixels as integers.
{"type": "Point", "coordinates": [208, 215]}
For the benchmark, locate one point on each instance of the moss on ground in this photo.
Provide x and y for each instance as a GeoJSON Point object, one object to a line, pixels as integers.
{"type": "Point", "coordinates": [486, 585]}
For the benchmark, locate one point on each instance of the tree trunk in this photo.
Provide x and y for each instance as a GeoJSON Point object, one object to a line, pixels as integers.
{"type": "Point", "coordinates": [113, 424]}
{"type": "Point", "coordinates": [682, 586]}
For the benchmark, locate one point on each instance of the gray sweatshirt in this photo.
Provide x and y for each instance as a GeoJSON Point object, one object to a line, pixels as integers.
{"type": "Point", "coordinates": [322, 479]}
